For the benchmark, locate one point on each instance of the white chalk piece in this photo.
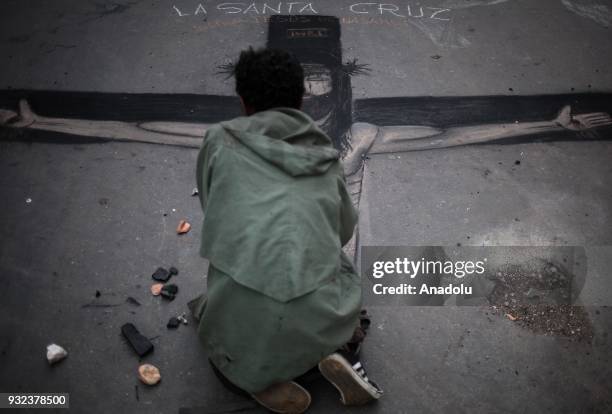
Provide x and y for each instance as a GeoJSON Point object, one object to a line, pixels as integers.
{"type": "Point", "coordinates": [55, 353]}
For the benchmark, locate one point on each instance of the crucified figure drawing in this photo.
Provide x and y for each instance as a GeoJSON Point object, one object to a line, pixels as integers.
{"type": "Point", "coordinates": [364, 139]}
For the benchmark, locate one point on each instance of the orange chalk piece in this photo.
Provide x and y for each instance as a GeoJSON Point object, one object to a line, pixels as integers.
{"type": "Point", "coordinates": [156, 289]}
{"type": "Point", "coordinates": [183, 227]}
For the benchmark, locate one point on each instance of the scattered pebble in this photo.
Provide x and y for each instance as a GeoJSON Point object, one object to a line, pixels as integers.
{"type": "Point", "coordinates": [28, 200]}
{"type": "Point", "coordinates": [55, 353]}
{"type": "Point", "coordinates": [195, 192]}
{"type": "Point", "coordinates": [149, 374]}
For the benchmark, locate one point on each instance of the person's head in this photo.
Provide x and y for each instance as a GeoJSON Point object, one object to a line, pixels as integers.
{"type": "Point", "coordinates": [268, 78]}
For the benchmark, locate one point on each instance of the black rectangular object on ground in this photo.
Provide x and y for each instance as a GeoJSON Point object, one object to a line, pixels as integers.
{"type": "Point", "coordinates": [141, 344]}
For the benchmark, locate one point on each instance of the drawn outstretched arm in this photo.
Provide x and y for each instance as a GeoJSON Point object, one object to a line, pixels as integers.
{"type": "Point", "coordinates": [165, 133]}
{"type": "Point", "coordinates": [370, 139]}
{"type": "Point", "coordinates": [392, 139]}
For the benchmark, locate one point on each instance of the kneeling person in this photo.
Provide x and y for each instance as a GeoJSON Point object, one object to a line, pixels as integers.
{"type": "Point", "coordinates": [282, 296]}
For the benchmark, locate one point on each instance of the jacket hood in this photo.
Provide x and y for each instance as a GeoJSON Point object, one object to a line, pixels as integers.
{"type": "Point", "coordinates": [287, 138]}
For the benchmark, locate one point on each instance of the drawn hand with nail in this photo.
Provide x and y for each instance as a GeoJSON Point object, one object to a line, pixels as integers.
{"type": "Point", "coordinates": [23, 119]}
{"type": "Point", "coordinates": [582, 122]}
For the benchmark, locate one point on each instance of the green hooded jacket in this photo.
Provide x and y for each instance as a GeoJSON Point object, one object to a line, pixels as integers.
{"type": "Point", "coordinates": [281, 293]}
{"type": "Point", "coordinates": [276, 207]}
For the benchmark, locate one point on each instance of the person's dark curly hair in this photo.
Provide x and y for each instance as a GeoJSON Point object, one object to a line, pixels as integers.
{"type": "Point", "coordinates": [269, 78]}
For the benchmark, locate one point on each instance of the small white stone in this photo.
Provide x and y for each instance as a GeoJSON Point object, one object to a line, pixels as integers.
{"type": "Point", "coordinates": [28, 200]}
{"type": "Point", "coordinates": [55, 353]}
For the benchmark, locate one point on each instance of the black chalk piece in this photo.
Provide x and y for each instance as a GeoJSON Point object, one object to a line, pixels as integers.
{"type": "Point", "coordinates": [173, 323]}
{"type": "Point", "coordinates": [173, 271]}
{"type": "Point", "coordinates": [141, 345]}
{"type": "Point", "coordinates": [161, 275]}
{"type": "Point", "coordinates": [170, 288]}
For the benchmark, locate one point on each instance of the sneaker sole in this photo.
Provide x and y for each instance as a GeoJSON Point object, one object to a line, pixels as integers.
{"type": "Point", "coordinates": [353, 389]}
{"type": "Point", "coordinates": [296, 401]}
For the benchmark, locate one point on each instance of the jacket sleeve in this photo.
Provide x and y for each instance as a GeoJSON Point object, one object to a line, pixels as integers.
{"type": "Point", "coordinates": [204, 169]}
{"type": "Point", "coordinates": [348, 213]}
